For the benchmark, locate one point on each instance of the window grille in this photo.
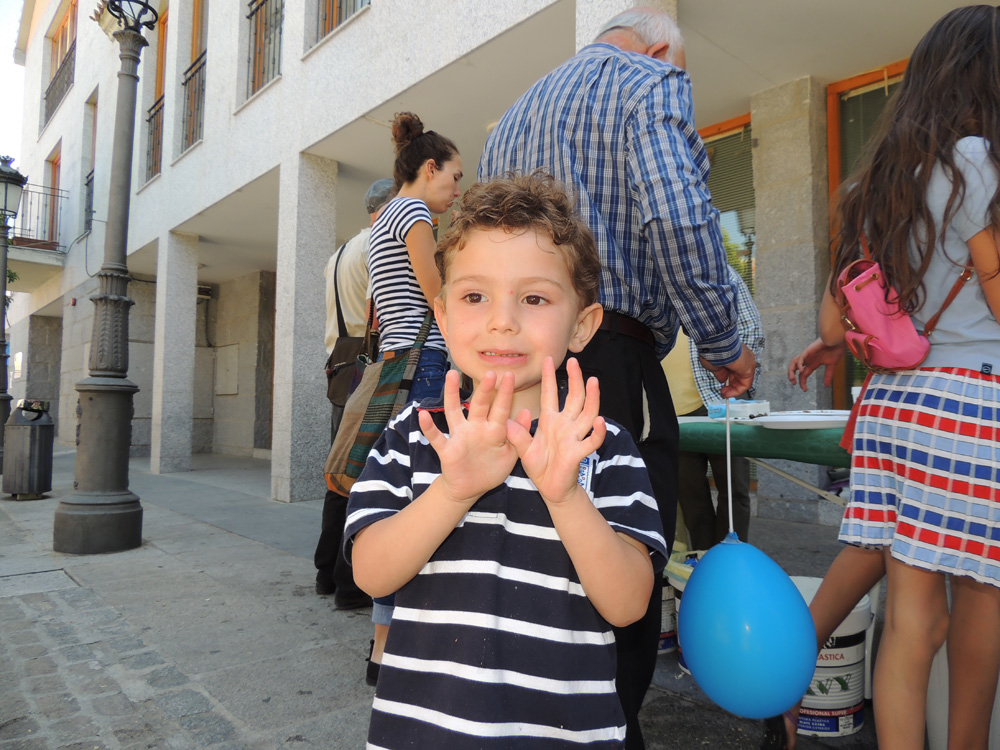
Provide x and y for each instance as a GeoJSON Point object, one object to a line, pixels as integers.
{"type": "Point", "coordinates": [88, 202]}
{"type": "Point", "coordinates": [61, 82]}
{"type": "Point", "coordinates": [154, 144]}
{"type": "Point", "coordinates": [264, 60]}
{"type": "Point", "coordinates": [194, 101]}
{"type": "Point", "coordinates": [332, 13]}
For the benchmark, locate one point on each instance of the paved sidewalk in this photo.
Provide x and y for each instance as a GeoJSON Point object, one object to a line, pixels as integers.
{"type": "Point", "coordinates": [211, 635]}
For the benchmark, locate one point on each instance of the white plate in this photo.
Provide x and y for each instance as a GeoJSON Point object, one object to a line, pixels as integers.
{"type": "Point", "coordinates": [807, 419]}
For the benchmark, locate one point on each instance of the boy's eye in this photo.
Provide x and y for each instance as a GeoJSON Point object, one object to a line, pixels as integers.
{"type": "Point", "coordinates": [534, 299]}
{"type": "Point", "coordinates": [473, 297]}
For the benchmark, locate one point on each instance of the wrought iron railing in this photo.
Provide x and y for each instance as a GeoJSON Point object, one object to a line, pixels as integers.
{"type": "Point", "coordinates": [332, 13]}
{"type": "Point", "coordinates": [264, 59]}
{"type": "Point", "coordinates": [154, 143]}
{"type": "Point", "coordinates": [88, 202]}
{"type": "Point", "coordinates": [60, 83]}
{"type": "Point", "coordinates": [193, 82]}
{"type": "Point", "coordinates": [37, 222]}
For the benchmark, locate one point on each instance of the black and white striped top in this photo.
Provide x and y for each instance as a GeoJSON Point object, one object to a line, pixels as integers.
{"type": "Point", "coordinates": [494, 644]}
{"type": "Point", "coordinates": [399, 302]}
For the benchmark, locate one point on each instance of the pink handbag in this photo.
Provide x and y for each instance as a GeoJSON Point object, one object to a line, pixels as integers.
{"type": "Point", "coordinates": [879, 333]}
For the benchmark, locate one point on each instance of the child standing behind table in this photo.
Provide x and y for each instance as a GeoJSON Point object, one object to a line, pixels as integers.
{"type": "Point", "coordinates": [516, 525]}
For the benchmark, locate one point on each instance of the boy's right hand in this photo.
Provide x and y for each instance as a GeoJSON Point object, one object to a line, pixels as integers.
{"type": "Point", "coordinates": [475, 456]}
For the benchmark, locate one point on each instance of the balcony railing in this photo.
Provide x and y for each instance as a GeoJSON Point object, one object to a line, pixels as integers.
{"type": "Point", "coordinates": [60, 84]}
{"type": "Point", "coordinates": [264, 60]}
{"type": "Point", "coordinates": [193, 82]}
{"type": "Point", "coordinates": [332, 13]}
{"type": "Point", "coordinates": [154, 144]}
{"type": "Point", "coordinates": [88, 202]}
{"type": "Point", "coordinates": [37, 222]}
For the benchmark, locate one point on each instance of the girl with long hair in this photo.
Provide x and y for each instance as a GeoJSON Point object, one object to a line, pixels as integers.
{"type": "Point", "coordinates": [925, 467]}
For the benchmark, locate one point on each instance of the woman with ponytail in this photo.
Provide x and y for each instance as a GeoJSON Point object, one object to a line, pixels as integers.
{"type": "Point", "coordinates": [405, 279]}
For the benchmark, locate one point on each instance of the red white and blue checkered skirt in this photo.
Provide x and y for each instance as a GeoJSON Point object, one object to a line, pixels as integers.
{"type": "Point", "coordinates": [925, 471]}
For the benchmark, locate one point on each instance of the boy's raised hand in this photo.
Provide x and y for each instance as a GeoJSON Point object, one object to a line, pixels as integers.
{"type": "Point", "coordinates": [476, 455]}
{"type": "Point", "coordinates": [551, 457]}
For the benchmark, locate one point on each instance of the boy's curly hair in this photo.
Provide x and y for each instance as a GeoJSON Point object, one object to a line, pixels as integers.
{"type": "Point", "coordinates": [516, 203]}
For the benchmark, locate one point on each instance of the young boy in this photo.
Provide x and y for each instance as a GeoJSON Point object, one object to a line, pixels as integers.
{"type": "Point", "coordinates": [516, 526]}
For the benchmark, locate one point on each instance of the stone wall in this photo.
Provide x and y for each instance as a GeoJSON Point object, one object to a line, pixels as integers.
{"type": "Point", "coordinates": [790, 183]}
{"type": "Point", "coordinates": [242, 390]}
{"type": "Point", "coordinates": [44, 357]}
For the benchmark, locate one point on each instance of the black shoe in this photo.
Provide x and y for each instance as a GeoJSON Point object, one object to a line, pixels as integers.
{"type": "Point", "coordinates": [371, 670]}
{"type": "Point", "coordinates": [776, 733]}
{"type": "Point", "coordinates": [353, 600]}
{"type": "Point", "coordinates": [324, 586]}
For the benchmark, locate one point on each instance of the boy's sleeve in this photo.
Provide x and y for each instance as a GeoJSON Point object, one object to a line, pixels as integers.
{"type": "Point", "coordinates": [622, 493]}
{"type": "Point", "coordinates": [384, 487]}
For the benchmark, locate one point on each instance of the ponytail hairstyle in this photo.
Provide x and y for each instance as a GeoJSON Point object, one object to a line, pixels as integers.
{"type": "Point", "coordinates": [414, 146]}
{"type": "Point", "coordinates": [951, 90]}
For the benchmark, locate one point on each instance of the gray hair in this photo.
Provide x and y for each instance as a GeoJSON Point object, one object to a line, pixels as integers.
{"type": "Point", "coordinates": [651, 26]}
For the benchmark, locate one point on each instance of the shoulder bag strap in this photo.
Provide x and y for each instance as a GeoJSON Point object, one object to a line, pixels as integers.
{"type": "Point", "coordinates": [955, 289]}
{"type": "Point", "coordinates": [864, 246]}
{"type": "Point", "coordinates": [425, 328]}
{"type": "Point", "coordinates": [341, 325]}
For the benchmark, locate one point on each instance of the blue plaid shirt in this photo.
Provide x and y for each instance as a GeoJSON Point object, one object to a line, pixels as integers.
{"type": "Point", "coordinates": [751, 333]}
{"type": "Point", "coordinates": [618, 129]}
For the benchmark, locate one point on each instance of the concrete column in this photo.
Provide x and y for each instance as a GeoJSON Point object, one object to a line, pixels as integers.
{"type": "Point", "coordinates": [300, 437]}
{"type": "Point", "coordinates": [793, 236]}
{"type": "Point", "coordinates": [173, 353]}
{"type": "Point", "coordinates": [592, 14]}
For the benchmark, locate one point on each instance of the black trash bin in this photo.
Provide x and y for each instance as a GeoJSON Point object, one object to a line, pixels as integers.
{"type": "Point", "coordinates": [27, 461]}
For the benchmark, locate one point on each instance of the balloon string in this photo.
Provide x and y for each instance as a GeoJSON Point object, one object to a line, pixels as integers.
{"type": "Point", "coordinates": [729, 472]}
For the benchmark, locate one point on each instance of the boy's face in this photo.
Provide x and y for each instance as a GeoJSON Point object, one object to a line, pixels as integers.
{"type": "Point", "coordinates": [508, 303]}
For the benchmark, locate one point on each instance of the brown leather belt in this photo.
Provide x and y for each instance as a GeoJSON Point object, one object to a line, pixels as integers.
{"type": "Point", "coordinates": [617, 323]}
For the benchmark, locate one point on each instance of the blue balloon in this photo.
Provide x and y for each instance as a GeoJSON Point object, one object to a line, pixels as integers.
{"type": "Point", "coordinates": [746, 632]}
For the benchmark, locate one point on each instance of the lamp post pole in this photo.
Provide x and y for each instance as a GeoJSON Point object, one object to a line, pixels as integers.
{"type": "Point", "coordinates": [102, 514]}
{"type": "Point", "coordinates": [11, 187]}
{"type": "Point", "coordinates": [4, 396]}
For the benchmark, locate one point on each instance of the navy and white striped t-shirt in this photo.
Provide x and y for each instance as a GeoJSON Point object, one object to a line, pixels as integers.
{"type": "Point", "coordinates": [399, 300]}
{"type": "Point", "coordinates": [494, 644]}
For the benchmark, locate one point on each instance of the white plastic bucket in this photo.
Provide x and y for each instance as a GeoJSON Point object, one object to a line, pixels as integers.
{"type": "Point", "coordinates": [668, 621]}
{"type": "Point", "coordinates": [835, 701]}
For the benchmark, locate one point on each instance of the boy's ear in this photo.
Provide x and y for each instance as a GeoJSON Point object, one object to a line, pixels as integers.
{"type": "Point", "coordinates": [441, 318]}
{"type": "Point", "coordinates": [587, 323]}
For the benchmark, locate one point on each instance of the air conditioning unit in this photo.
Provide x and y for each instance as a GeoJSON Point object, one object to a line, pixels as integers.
{"type": "Point", "coordinates": [204, 291]}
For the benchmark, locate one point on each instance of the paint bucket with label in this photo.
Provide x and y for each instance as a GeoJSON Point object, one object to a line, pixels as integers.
{"type": "Point", "coordinates": [668, 620]}
{"type": "Point", "coordinates": [834, 704]}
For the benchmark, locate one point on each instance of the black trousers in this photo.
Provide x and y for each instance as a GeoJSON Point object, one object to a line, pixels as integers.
{"type": "Point", "coordinates": [634, 393]}
{"type": "Point", "coordinates": [331, 565]}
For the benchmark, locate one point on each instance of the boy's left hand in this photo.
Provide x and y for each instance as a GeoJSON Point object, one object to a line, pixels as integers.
{"type": "Point", "coordinates": [551, 458]}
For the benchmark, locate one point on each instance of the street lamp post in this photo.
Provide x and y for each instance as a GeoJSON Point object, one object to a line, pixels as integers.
{"type": "Point", "coordinates": [11, 187]}
{"type": "Point", "coordinates": [102, 515]}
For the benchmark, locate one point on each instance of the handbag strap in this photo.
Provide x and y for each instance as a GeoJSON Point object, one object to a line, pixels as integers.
{"type": "Point", "coordinates": [425, 329]}
{"type": "Point", "coordinates": [341, 325]}
{"type": "Point", "coordinates": [955, 289]}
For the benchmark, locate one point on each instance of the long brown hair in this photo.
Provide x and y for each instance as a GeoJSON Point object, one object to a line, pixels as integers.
{"type": "Point", "coordinates": [951, 89]}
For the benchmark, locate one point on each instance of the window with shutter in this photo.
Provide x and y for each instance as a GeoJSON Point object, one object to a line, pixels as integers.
{"type": "Point", "coordinates": [731, 183]}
